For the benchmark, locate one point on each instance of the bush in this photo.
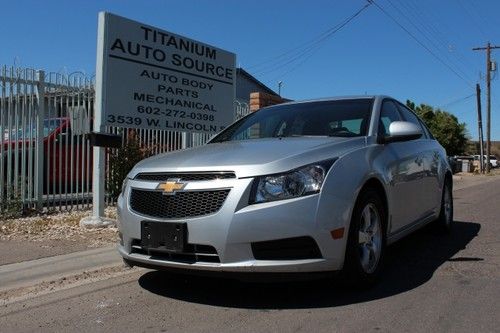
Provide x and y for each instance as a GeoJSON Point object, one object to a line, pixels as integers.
{"type": "Point", "coordinates": [121, 161]}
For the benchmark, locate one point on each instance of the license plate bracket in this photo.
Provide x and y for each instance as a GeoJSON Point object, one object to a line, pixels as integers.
{"type": "Point", "coordinates": [163, 236]}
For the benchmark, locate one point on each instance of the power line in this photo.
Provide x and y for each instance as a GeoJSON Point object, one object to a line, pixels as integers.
{"type": "Point", "coordinates": [473, 20]}
{"type": "Point", "coordinates": [431, 24]}
{"type": "Point", "coordinates": [310, 43]}
{"type": "Point", "coordinates": [432, 42]}
{"type": "Point", "coordinates": [420, 43]}
{"type": "Point", "coordinates": [484, 18]}
{"type": "Point", "coordinates": [458, 100]}
{"type": "Point", "coordinates": [275, 64]}
{"type": "Point", "coordinates": [313, 51]}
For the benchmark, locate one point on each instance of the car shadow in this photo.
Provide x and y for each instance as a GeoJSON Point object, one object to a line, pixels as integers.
{"type": "Point", "coordinates": [409, 263]}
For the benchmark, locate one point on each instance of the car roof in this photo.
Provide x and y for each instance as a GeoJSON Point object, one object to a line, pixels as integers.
{"type": "Point", "coordinates": [335, 98]}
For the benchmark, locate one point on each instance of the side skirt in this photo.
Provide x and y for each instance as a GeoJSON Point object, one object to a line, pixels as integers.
{"type": "Point", "coordinates": [410, 228]}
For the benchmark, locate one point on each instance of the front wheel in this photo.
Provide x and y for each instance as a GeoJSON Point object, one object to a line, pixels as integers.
{"type": "Point", "coordinates": [366, 240]}
{"type": "Point", "coordinates": [445, 219]}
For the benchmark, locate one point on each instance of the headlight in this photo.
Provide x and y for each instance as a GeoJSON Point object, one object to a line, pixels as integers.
{"type": "Point", "coordinates": [299, 182]}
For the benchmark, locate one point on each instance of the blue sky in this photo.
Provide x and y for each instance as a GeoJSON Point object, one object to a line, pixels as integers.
{"type": "Point", "coordinates": [371, 54]}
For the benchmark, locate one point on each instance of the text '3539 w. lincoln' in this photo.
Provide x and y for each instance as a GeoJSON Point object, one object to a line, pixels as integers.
{"type": "Point", "coordinates": [303, 187]}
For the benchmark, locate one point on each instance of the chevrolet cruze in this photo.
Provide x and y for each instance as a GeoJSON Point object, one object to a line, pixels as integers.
{"type": "Point", "coordinates": [304, 187]}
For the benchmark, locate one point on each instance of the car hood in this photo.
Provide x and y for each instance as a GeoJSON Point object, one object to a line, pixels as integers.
{"type": "Point", "coordinates": [250, 157]}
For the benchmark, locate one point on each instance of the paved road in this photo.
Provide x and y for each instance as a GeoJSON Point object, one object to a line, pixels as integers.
{"type": "Point", "coordinates": [432, 283]}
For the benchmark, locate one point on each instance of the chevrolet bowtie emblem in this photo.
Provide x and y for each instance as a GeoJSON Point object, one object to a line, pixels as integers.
{"type": "Point", "coordinates": [171, 186]}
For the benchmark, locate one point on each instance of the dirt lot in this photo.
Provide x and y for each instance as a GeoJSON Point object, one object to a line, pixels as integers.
{"type": "Point", "coordinates": [49, 235]}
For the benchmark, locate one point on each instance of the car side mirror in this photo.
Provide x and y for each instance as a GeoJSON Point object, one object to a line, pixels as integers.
{"type": "Point", "coordinates": [402, 131]}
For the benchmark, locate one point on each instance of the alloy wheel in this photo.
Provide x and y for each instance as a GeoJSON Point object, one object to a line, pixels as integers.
{"type": "Point", "coordinates": [370, 238]}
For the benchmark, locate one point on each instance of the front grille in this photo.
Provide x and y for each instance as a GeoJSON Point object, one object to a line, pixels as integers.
{"type": "Point", "coordinates": [286, 249]}
{"type": "Point", "coordinates": [179, 205]}
{"type": "Point", "coordinates": [200, 176]}
{"type": "Point", "coordinates": [192, 253]}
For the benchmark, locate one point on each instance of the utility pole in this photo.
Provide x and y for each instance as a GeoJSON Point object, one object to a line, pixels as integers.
{"type": "Point", "coordinates": [488, 49]}
{"type": "Point", "coordinates": [480, 128]}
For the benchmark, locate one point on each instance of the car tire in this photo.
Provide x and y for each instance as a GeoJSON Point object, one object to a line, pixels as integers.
{"type": "Point", "coordinates": [366, 240]}
{"type": "Point", "coordinates": [445, 220]}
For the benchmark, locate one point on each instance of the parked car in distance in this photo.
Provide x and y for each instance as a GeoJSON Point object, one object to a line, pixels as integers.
{"type": "Point", "coordinates": [493, 160]}
{"type": "Point", "coordinates": [305, 187]}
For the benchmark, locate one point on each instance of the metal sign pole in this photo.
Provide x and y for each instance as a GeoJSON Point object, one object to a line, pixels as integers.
{"type": "Point", "coordinates": [98, 171]}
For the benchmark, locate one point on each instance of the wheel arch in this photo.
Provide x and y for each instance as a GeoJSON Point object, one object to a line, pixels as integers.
{"type": "Point", "coordinates": [375, 184]}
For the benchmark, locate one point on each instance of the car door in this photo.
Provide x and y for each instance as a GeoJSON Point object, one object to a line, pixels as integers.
{"type": "Point", "coordinates": [430, 200]}
{"type": "Point", "coordinates": [404, 169]}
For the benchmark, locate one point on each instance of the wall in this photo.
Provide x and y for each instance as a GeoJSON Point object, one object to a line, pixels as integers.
{"type": "Point", "coordinates": [259, 100]}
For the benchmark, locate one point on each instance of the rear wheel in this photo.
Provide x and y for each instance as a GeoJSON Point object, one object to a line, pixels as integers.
{"type": "Point", "coordinates": [445, 219]}
{"type": "Point", "coordinates": [366, 241]}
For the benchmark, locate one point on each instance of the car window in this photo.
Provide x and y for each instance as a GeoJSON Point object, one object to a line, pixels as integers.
{"type": "Point", "coordinates": [344, 118]}
{"type": "Point", "coordinates": [388, 114]}
{"type": "Point", "coordinates": [410, 116]}
{"type": "Point", "coordinates": [427, 132]}
{"type": "Point", "coordinates": [269, 126]}
{"type": "Point", "coordinates": [353, 125]}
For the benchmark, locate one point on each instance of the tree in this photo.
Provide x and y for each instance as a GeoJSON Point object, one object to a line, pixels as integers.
{"type": "Point", "coordinates": [445, 127]}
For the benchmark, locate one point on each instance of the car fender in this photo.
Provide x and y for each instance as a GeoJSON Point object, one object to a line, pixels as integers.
{"type": "Point", "coordinates": [341, 189]}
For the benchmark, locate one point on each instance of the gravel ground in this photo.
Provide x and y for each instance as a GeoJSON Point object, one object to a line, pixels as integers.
{"type": "Point", "coordinates": [42, 236]}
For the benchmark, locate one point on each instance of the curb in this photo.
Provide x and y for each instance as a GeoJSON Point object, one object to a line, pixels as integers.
{"type": "Point", "coordinates": [29, 273]}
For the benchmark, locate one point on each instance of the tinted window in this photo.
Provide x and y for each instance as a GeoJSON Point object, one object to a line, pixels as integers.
{"type": "Point", "coordinates": [427, 133]}
{"type": "Point", "coordinates": [410, 116]}
{"type": "Point", "coordinates": [388, 114]}
{"type": "Point", "coordinates": [346, 118]}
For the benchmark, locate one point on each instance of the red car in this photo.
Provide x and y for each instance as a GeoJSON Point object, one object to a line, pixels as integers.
{"type": "Point", "coordinates": [67, 157]}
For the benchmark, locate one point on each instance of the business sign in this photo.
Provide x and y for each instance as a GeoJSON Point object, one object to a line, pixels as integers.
{"type": "Point", "coordinates": [156, 79]}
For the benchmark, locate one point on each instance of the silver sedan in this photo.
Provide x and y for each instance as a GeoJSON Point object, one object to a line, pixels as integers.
{"type": "Point", "coordinates": [299, 188]}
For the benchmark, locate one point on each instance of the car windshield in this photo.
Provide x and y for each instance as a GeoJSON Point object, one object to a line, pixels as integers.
{"type": "Point", "coordinates": [345, 118]}
{"type": "Point", "coordinates": [49, 125]}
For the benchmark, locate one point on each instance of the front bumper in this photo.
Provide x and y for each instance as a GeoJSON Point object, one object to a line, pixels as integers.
{"type": "Point", "coordinates": [232, 230]}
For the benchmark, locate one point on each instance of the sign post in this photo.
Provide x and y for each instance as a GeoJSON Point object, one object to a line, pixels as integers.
{"type": "Point", "coordinates": [153, 79]}
{"type": "Point", "coordinates": [98, 169]}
